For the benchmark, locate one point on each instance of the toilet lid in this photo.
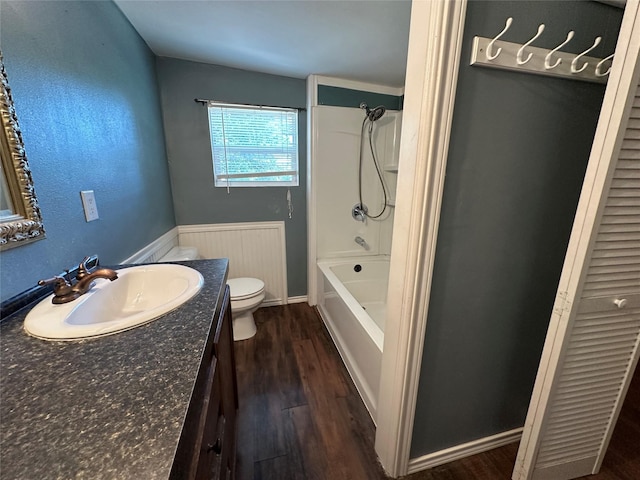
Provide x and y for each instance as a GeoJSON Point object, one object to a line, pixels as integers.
{"type": "Point", "coordinates": [245, 287]}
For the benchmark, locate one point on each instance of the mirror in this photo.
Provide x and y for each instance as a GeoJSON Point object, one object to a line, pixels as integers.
{"type": "Point", "coordinates": [20, 219]}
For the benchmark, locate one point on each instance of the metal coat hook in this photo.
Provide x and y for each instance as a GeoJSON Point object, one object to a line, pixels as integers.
{"type": "Point", "coordinates": [521, 50]}
{"type": "Point", "coordinates": [490, 55]}
{"type": "Point", "coordinates": [599, 72]}
{"type": "Point", "coordinates": [574, 62]}
{"type": "Point", "coordinates": [547, 58]}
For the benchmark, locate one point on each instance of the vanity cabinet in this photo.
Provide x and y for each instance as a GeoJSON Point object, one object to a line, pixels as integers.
{"type": "Point", "coordinates": [207, 448]}
{"type": "Point", "coordinates": [172, 416]}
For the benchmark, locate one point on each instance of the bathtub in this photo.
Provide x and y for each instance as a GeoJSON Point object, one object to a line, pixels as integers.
{"type": "Point", "coordinates": [352, 304]}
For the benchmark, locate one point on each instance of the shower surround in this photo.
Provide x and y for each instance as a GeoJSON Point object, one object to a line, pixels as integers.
{"type": "Point", "coordinates": [343, 243]}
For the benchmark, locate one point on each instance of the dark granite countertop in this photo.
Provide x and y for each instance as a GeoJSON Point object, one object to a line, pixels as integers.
{"type": "Point", "coordinates": [104, 408]}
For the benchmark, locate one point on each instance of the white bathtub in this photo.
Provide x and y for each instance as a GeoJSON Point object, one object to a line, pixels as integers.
{"type": "Point", "coordinates": [352, 303]}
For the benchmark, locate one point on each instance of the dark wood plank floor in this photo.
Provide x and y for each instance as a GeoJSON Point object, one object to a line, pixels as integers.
{"type": "Point", "coordinates": [301, 417]}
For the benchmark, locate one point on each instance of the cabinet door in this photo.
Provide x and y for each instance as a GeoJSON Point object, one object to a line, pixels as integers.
{"type": "Point", "coordinates": [188, 455]}
{"type": "Point", "coordinates": [207, 447]}
{"type": "Point", "coordinates": [223, 347]}
{"type": "Point", "coordinates": [211, 441]}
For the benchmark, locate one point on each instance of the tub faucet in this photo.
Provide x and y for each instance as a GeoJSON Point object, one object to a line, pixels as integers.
{"type": "Point", "coordinates": [66, 291]}
{"type": "Point", "coordinates": [362, 242]}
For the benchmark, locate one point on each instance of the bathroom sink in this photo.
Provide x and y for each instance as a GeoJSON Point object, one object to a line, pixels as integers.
{"type": "Point", "coordinates": [139, 295]}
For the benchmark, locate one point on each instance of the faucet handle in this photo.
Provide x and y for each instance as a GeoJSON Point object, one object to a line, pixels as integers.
{"type": "Point", "coordinates": [83, 270]}
{"type": "Point", "coordinates": [60, 285]}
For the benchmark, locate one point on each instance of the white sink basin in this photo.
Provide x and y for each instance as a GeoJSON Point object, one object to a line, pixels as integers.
{"type": "Point", "coordinates": [138, 296]}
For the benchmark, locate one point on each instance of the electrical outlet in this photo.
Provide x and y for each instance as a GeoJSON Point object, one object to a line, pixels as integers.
{"type": "Point", "coordinates": [89, 205]}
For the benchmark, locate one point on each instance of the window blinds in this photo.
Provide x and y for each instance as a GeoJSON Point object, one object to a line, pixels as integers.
{"type": "Point", "coordinates": [253, 146]}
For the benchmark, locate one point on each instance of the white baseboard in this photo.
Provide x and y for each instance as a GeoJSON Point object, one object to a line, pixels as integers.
{"type": "Point", "coordinates": [298, 299]}
{"type": "Point", "coordinates": [272, 303]}
{"type": "Point", "coordinates": [277, 301]}
{"type": "Point", "coordinates": [463, 450]}
{"type": "Point", "coordinates": [156, 249]}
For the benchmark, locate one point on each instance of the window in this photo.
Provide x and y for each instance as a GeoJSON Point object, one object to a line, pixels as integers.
{"type": "Point", "coordinates": [253, 146]}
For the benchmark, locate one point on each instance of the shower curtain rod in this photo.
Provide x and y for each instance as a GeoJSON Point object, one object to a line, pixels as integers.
{"type": "Point", "coordinates": [205, 102]}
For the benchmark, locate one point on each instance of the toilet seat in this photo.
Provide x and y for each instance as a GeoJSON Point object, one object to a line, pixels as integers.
{"type": "Point", "coordinates": [244, 287]}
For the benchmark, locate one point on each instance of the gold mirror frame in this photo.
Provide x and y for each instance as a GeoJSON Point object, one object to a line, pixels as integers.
{"type": "Point", "coordinates": [27, 227]}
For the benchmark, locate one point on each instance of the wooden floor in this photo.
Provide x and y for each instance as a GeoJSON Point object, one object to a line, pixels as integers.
{"type": "Point", "coordinates": [301, 417]}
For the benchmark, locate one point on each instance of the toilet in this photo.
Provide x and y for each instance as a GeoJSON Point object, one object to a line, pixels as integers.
{"type": "Point", "coordinates": [180, 254]}
{"type": "Point", "coordinates": [246, 296]}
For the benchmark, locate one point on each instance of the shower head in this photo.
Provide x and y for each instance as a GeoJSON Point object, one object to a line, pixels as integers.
{"type": "Point", "coordinates": [375, 113]}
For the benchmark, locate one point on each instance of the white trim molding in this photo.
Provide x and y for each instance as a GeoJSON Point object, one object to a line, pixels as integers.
{"type": "Point", "coordinates": [312, 242]}
{"type": "Point", "coordinates": [290, 300]}
{"type": "Point", "coordinates": [355, 85]}
{"type": "Point", "coordinates": [464, 450]}
{"type": "Point", "coordinates": [297, 299]}
{"type": "Point", "coordinates": [156, 249]}
{"type": "Point", "coordinates": [435, 41]}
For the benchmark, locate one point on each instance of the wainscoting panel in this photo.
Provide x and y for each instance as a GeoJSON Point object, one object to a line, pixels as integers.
{"type": "Point", "coordinates": [254, 249]}
{"type": "Point", "coordinates": [156, 249]}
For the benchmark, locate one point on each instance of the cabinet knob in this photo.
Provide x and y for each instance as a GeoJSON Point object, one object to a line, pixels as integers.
{"type": "Point", "coordinates": [216, 447]}
{"type": "Point", "coordinates": [620, 302]}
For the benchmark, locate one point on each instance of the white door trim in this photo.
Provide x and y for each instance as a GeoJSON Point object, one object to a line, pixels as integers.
{"type": "Point", "coordinates": [312, 243]}
{"type": "Point", "coordinates": [622, 83]}
{"type": "Point", "coordinates": [435, 41]}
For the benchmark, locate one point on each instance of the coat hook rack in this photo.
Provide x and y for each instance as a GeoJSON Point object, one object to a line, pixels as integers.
{"type": "Point", "coordinates": [495, 53]}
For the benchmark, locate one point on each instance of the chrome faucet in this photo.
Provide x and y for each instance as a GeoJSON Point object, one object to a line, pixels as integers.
{"type": "Point", "coordinates": [362, 242]}
{"type": "Point", "coordinates": [359, 212]}
{"type": "Point", "coordinates": [66, 291]}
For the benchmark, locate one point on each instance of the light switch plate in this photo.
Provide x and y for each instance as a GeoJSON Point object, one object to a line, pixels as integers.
{"type": "Point", "coordinates": [89, 205]}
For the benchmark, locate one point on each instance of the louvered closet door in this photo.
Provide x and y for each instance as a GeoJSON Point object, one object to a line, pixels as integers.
{"type": "Point", "coordinates": [592, 346]}
{"type": "Point", "coordinates": [602, 345]}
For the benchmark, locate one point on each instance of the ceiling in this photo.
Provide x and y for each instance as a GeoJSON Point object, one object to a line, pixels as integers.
{"type": "Point", "coordinates": [362, 40]}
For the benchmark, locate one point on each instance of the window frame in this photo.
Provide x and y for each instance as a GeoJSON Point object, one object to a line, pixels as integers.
{"type": "Point", "coordinates": [225, 180]}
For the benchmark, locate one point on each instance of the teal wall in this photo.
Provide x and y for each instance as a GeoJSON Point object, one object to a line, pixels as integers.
{"type": "Point", "coordinates": [85, 91]}
{"type": "Point", "coordinates": [347, 97]}
{"type": "Point", "coordinates": [518, 152]}
{"type": "Point", "coordinates": [196, 200]}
